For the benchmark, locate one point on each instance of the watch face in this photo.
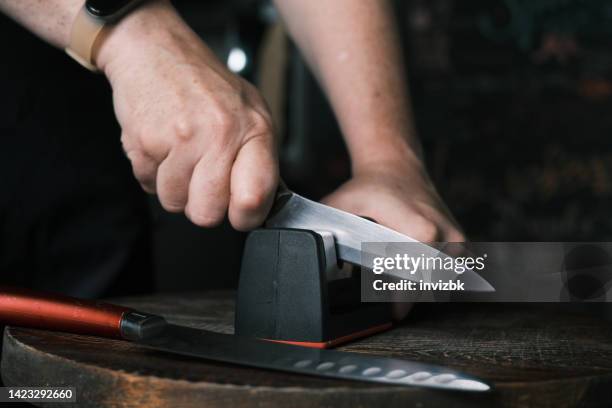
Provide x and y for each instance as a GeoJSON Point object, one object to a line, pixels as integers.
{"type": "Point", "coordinates": [105, 8]}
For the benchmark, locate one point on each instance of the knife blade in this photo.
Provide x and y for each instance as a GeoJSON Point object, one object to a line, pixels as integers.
{"type": "Point", "coordinates": [291, 210]}
{"type": "Point", "coordinates": [302, 360]}
{"type": "Point", "coordinates": [39, 310]}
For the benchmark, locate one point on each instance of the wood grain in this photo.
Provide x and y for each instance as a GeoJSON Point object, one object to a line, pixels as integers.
{"type": "Point", "coordinates": [534, 354]}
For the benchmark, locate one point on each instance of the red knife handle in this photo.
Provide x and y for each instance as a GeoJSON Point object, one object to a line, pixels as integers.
{"type": "Point", "coordinates": [29, 308]}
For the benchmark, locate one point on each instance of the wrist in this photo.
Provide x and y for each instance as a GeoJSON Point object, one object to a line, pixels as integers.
{"type": "Point", "coordinates": [126, 37]}
{"type": "Point", "coordinates": [393, 153]}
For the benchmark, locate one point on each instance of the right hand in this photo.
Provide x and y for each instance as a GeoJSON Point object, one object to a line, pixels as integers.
{"type": "Point", "coordinates": [196, 134]}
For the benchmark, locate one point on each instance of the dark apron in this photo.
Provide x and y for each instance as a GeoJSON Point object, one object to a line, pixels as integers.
{"type": "Point", "coordinates": [72, 217]}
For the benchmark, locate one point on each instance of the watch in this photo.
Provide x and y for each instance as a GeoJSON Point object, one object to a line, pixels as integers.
{"type": "Point", "coordinates": [89, 25]}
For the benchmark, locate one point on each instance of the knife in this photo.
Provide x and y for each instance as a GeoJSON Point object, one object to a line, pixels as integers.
{"type": "Point", "coordinates": [23, 307]}
{"type": "Point", "coordinates": [350, 231]}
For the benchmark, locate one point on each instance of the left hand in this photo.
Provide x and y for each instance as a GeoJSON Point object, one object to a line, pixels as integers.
{"type": "Point", "coordinates": [402, 197]}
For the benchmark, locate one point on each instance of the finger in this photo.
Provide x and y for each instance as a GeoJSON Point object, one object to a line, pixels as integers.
{"type": "Point", "coordinates": [209, 191]}
{"type": "Point", "coordinates": [144, 169]}
{"type": "Point", "coordinates": [418, 227]}
{"type": "Point", "coordinates": [254, 181]}
{"type": "Point", "coordinates": [173, 178]}
{"type": "Point", "coordinates": [452, 234]}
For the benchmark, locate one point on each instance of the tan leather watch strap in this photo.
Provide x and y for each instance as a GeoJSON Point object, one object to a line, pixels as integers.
{"type": "Point", "coordinates": [84, 37]}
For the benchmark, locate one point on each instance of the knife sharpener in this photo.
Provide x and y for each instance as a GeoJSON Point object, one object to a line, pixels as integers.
{"type": "Point", "coordinates": [293, 290]}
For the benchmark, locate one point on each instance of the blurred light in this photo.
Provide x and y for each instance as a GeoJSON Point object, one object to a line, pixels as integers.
{"type": "Point", "coordinates": [236, 60]}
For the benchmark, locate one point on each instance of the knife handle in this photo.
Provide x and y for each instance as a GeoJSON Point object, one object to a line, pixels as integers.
{"type": "Point", "coordinates": [40, 310]}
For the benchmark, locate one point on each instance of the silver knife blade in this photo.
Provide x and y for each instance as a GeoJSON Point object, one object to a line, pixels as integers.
{"type": "Point", "coordinates": [28, 308]}
{"type": "Point", "coordinates": [244, 351]}
{"type": "Point", "coordinates": [350, 231]}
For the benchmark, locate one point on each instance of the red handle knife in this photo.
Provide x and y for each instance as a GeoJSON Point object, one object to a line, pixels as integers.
{"type": "Point", "coordinates": [23, 307]}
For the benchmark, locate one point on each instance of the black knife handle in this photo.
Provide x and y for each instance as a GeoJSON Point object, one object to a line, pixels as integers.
{"type": "Point", "coordinates": [141, 326]}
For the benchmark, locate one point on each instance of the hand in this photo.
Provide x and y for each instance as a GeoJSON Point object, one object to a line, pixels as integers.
{"type": "Point", "coordinates": [402, 197]}
{"type": "Point", "coordinates": [196, 134]}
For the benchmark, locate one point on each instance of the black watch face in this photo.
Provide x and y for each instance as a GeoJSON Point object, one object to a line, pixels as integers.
{"type": "Point", "coordinates": [105, 8]}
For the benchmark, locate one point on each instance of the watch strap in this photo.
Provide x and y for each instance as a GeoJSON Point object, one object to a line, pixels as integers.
{"type": "Point", "coordinates": [86, 30]}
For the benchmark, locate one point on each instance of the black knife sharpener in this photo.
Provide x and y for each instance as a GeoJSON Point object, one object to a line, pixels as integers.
{"type": "Point", "coordinates": [293, 290]}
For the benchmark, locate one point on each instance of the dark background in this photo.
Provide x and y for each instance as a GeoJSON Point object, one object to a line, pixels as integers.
{"type": "Point", "coordinates": [513, 103]}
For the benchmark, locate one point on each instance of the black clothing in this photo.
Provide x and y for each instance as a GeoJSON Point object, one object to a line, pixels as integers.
{"type": "Point", "coordinates": [72, 217]}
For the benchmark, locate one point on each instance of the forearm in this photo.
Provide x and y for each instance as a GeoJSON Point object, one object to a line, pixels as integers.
{"type": "Point", "coordinates": [353, 48]}
{"type": "Point", "coordinates": [49, 19]}
{"type": "Point", "coordinates": [52, 21]}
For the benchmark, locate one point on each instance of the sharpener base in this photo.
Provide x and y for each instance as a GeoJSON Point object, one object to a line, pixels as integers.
{"type": "Point", "coordinates": [292, 291]}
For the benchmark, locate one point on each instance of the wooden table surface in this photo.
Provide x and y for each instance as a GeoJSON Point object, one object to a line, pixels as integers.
{"type": "Point", "coordinates": [533, 354]}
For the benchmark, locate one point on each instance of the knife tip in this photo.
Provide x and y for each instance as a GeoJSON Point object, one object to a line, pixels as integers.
{"type": "Point", "coordinates": [470, 385]}
{"type": "Point", "coordinates": [476, 283]}
{"type": "Point", "coordinates": [486, 287]}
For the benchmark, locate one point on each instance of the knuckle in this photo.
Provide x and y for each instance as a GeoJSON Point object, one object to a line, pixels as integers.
{"type": "Point", "coordinates": [224, 122]}
{"type": "Point", "coordinates": [183, 128]}
{"type": "Point", "coordinates": [130, 143]}
{"type": "Point", "coordinates": [135, 139]}
{"type": "Point", "coordinates": [143, 143]}
{"type": "Point", "coordinates": [150, 142]}
{"type": "Point", "coordinates": [260, 123]}
{"type": "Point", "coordinates": [251, 201]}
{"type": "Point", "coordinates": [142, 171]}
{"type": "Point", "coordinates": [138, 162]}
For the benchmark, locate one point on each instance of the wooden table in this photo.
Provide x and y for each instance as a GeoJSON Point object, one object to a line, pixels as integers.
{"type": "Point", "coordinates": [534, 355]}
